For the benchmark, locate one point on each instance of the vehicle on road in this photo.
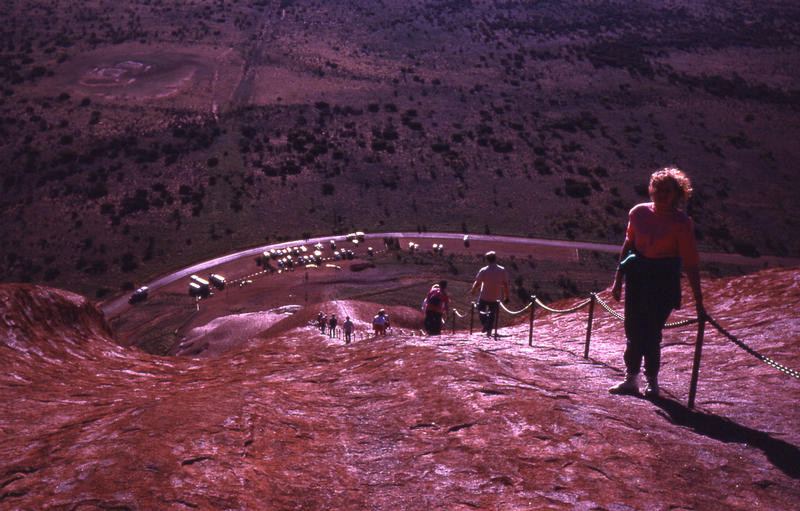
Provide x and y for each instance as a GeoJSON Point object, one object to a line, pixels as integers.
{"type": "Point", "coordinates": [139, 295]}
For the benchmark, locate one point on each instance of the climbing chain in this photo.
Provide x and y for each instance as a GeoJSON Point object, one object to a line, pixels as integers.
{"type": "Point", "coordinates": [763, 358]}
{"type": "Point", "coordinates": [515, 313]}
{"type": "Point", "coordinates": [679, 324]}
{"type": "Point", "coordinates": [610, 310]}
{"type": "Point", "coordinates": [620, 317]}
{"type": "Point", "coordinates": [460, 315]}
{"type": "Point", "coordinates": [561, 311]}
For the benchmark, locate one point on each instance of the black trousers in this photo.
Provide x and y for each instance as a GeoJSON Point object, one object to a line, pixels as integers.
{"type": "Point", "coordinates": [487, 311]}
{"type": "Point", "coordinates": [652, 290]}
{"type": "Point", "coordinates": [433, 322]}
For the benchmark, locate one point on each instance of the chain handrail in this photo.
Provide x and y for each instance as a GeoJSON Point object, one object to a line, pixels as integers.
{"type": "Point", "coordinates": [516, 313]}
{"type": "Point", "coordinates": [535, 301]}
{"type": "Point", "coordinates": [620, 317]}
{"type": "Point", "coordinates": [455, 311]}
{"type": "Point", "coordinates": [678, 324]}
{"type": "Point", "coordinates": [609, 309]}
{"type": "Point", "coordinates": [748, 349]}
{"type": "Point", "coordinates": [561, 311]}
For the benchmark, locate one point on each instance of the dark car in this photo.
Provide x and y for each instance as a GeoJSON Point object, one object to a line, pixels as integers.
{"type": "Point", "coordinates": [139, 295]}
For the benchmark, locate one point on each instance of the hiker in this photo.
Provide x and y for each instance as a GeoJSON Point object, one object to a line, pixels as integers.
{"type": "Point", "coordinates": [321, 321]}
{"type": "Point", "coordinates": [658, 242]}
{"type": "Point", "coordinates": [347, 326]}
{"type": "Point", "coordinates": [332, 325]}
{"type": "Point", "coordinates": [435, 308]}
{"type": "Point", "coordinates": [380, 322]}
{"type": "Point", "coordinates": [492, 282]}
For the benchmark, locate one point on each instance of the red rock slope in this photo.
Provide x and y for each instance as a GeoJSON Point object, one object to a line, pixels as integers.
{"type": "Point", "coordinates": [300, 421]}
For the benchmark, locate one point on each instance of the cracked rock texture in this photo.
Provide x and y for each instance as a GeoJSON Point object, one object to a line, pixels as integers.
{"type": "Point", "coordinates": [297, 420]}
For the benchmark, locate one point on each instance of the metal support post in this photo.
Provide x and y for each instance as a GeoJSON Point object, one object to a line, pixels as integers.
{"type": "Point", "coordinates": [496, 320]}
{"type": "Point", "coordinates": [589, 326]}
{"type": "Point", "coordinates": [530, 324]}
{"type": "Point", "coordinates": [698, 350]}
{"type": "Point", "coordinates": [471, 316]}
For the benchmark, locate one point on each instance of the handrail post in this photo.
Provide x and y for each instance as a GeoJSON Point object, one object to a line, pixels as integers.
{"type": "Point", "coordinates": [530, 323]}
{"type": "Point", "coordinates": [471, 316]}
{"type": "Point", "coordinates": [698, 349]}
{"type": "Point", "coordinates": [453, 319]}
{"type": "Point", "coordinates": [496, 318]}
{"type": "Point", "coordinates": [589, 325]}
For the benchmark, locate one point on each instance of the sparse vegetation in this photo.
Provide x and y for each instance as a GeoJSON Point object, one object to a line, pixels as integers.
{"type": "Point", "coordinates": [517, 118]}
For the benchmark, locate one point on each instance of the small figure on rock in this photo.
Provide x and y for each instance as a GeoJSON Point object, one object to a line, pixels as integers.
{"type": "Point", "coordinates": [321, 321]}
{"type": "Point", "coordinates": [347, 326]}
{"type": "Point", "coordinates": [332, 325]}
{"type": "Point", "coordinates": [380, 322]}
{"type": "Point", "coordinates": [435, 308]}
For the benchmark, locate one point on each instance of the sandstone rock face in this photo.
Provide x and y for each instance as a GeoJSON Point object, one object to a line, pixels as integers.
{"type": "Point", "coordinates": [297, 420]}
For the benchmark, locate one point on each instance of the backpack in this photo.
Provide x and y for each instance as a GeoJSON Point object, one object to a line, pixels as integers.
{"type": "Point", "coordinates": [435, 299]}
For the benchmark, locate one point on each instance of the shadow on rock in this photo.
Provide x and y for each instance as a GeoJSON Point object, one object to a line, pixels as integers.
{"type": "Point", "coordinates": [785, 456]}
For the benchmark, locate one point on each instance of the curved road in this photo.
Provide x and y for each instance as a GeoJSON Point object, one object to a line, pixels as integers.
{"type": "Point", "coordinates": [115, 305]}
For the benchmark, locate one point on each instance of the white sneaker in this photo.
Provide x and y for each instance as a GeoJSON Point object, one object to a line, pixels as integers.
{"type": "Point", "coordinates": [652, 388]}
{"type": "Point", "coordinates": [628, 386]}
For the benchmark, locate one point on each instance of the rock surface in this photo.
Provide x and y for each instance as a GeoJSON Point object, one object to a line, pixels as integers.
{"type": "Point", "coordinates": [297, 420]}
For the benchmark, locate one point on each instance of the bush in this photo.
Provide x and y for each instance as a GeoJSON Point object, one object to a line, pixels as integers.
{"type": "Point", "coordinates": [138, 202]}
{"type": "Point", "coordinates": [502, 146]}
{"type": "Point", "coordinates": [577, 189]}
{"type": "Point", "coordinates": [440, 147]}
{"type": "Point", "coordinates": [541, 166]}
{"type": "Point", "coordinates": [745, 248]}
{"type": "Point", "coordinates": [128, 262]}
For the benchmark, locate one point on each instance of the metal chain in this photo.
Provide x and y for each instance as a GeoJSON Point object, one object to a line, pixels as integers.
{"type": "Point", "coordinates": [610, 310]}
{"type": "Point", "coordinates": [562, 311]}
{"type": "Point", "coordinates": [620, 317]}
{"type": "Point", "coordinates": [679, 324]}
{"type": "Point", "coordinates": [763, 358]}
{"type": "Point", "coordinates": [514, 313]}
{"type": "Point", "coordinates": [455, 311]}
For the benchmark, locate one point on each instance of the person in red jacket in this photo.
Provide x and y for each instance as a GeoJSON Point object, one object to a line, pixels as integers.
{"type": "Point", "coordinates": [658, 243]}
{"type": "Point", "coordinates": [435, 307]}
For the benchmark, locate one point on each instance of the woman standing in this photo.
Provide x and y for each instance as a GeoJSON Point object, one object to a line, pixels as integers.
{"type": "Point", "coordinates": [659, 241]}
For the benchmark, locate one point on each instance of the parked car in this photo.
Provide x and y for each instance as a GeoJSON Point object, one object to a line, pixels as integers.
{"type": "Point", "coordinates": [139, 295]}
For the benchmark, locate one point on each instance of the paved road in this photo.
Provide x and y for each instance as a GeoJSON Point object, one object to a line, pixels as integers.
{"type": "Point", "coordinates": [115, 306]}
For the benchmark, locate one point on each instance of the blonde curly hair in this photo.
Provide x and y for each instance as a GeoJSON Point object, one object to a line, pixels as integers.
{"type": "Point", "coordinates": [679, 180]}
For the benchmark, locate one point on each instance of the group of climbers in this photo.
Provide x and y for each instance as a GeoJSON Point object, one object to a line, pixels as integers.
{"type": "Point", "coordinates": [491, 285]}
{"type": "Point", "coordinates": [659, 244]}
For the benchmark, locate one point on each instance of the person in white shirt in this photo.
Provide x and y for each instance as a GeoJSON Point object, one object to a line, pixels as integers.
{"type": "Point", "coordinates": [492, 285]}
{"type": "Point", "coordinates": [380, 322]}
